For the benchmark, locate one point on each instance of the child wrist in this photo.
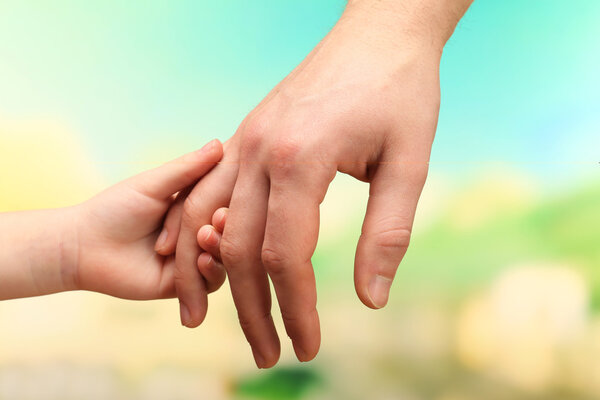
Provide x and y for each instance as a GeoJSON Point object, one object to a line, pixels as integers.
{"type": "Point", "coordinates": [69, 248]}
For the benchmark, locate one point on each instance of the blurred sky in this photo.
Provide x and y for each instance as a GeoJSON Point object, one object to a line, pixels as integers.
{"type": "Point", "coordinates": [520, 80]}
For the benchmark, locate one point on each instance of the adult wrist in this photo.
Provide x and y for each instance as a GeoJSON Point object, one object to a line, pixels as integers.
{"type": "Point", "coordinates": [428, 23]}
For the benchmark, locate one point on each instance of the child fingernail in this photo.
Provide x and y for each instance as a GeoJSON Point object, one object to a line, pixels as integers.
{"type": "Point", "coordinates": [208, 147]}
{"type": "Point", "coordinates": [162, 240]}
{"type": "Point", "coordinates": [220, 216]}
{"type": "Point", "coordinates": [211, 238]}
{"type": "Point", "coordinates": [186, 318]}
{"type": "Point", "coordinates": [379, 290]}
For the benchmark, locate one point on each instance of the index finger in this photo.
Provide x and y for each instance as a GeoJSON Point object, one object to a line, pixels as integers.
{"type": "Point", "coordinates": [210, 193]}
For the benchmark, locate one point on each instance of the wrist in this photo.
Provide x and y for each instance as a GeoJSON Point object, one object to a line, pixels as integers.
{"type": "Point", "coordinates": [424, 23]}
{"type": "Point", "coordinates": [68, 249]}
{"type": "Point", "coordinates": [40, 253]}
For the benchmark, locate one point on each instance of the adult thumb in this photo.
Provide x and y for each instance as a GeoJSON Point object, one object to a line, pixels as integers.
{"type": "Point", "coordinates": [393, 196]}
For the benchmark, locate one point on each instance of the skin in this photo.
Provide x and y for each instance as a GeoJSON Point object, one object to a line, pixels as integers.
{"type": "Point", "coordinates": [106, 244]}
{"type": "Point", "coordinates": [364, 102]}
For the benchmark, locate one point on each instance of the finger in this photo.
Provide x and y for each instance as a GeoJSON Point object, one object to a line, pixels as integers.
{"type": "Point", "coordinates": [211, 193]}
{"type": "Point", "coordinates": [212, 271]}
{"type": "Point", "coordinates": [167, 240]}
{"type": "Point", "coordinates": [240, 249]}
{"type": "Point", "coordinates": [220, 218]}
{"type": "Point", "coordinates": [395, 189]}
{"type": "Point", "coordinates": [166, 287]}
{"type": "Point", "coordinates": [210, 240]}
{"type": "Point", "coordinates": [168, 179]}
{"type": "Point", "coordinates": [290, 241]}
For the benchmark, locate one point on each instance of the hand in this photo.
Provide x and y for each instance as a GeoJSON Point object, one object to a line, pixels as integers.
{"type": "Point", "coordinates": [117, 231]}
{"type": "Point", "coordinates": [365, 102]}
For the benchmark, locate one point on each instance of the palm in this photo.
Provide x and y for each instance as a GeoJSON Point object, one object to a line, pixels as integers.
{"type": "Point", "coordinates": [120, 241]}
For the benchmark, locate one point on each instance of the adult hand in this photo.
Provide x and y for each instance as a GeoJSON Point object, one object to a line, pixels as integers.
{"type": "Point", "coordinates": [364, 102]}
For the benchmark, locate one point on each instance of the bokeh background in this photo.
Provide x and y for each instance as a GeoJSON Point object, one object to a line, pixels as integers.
{"type": "Point", "coordinates": [499, 295]}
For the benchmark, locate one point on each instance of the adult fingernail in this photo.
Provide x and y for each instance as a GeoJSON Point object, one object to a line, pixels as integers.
{"type": "Point", "coordinates": [186, 318]}
{"type": "Point", "coordinates": [379, 290]}
{"type": "Point", "coordinates": [162, 240]}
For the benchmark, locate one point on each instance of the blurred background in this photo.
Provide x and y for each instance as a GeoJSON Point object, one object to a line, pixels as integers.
{"type": "Point", "coordinates": [499, 295]}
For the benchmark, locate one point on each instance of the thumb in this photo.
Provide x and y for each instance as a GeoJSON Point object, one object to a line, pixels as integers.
{"type": "Point", "coordinates": [174, 176]}
{"type": "Point", "coordinates": [394, 192]}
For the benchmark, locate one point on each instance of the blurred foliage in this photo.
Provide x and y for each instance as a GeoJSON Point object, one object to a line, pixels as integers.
{"type": "Point", "coordinates": [563, 228]}
{"type": "Point", "coordinates": [280, 384]}
{"type": "Point", "coordinates": [456, 259]}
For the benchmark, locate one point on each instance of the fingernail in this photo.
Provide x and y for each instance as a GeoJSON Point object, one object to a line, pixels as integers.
{"type": "Point", "coordinates": [211, 239]}
{"type": "Point", "coordinates": [379, 290]}
{"type": "Point", "coordinates": [162, 240]}
{"type": "Point", "coordinates": [208, 147]}
{"type": "Point", "coordinates": [221, 213]}
{"type": "Point", "coordinates": [186, 318]}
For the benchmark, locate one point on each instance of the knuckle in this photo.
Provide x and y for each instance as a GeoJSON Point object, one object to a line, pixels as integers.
{"type": "Point", "coordinates": [231, 252]}
{"type": "Point", "coordinates": [179, 269]}
{"type": "Point", "coordinates": [253, 133]}
{"type": "Point", "coordinates": [294, 321]}
{"type": "Point", "coordinates": [249, 322]}
{"type": "Point", "coordinates": [191, 208]}
{"type": "Point", "coordinates": [285, 155]}
{"type": "Point", "coordinates": [396, 238]}
{"type": "Point", "coordinates": [180, 281]}
{"type": "Point", "coordinates": [299, 316]}
{"type": "Point", "coordinates": [286, 149]}
{"type": "Point", "coordinates": [290, 320]}
{"type": "Point", "coordinates": [257, 123]}
{"type": "Point", "coordinates": [273, 261]}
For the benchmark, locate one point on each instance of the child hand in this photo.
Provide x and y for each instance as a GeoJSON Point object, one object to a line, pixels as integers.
{"type": "Point", "coordinates": [117, 231]}
{"type": "Point", "coordinates": [209, 240]}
